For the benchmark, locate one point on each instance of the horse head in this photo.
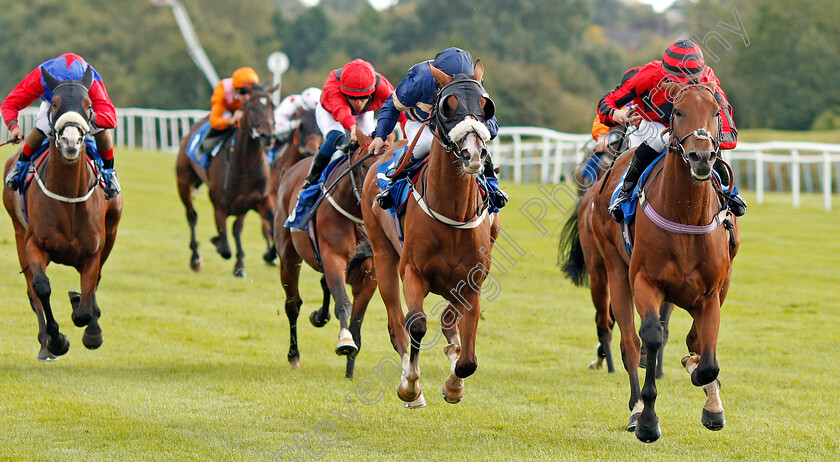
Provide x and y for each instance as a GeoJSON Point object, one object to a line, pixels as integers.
{"type": "Point", "coordinates": [462, 109]}
{"type": "Point", "coordinates": [308, 136]}
{"type": "Point", "coordinates": [258, 120]}
{"type": "Point", "coordinates": [695, 126]}
{"type": "Point", "coordinates": [70, 114]}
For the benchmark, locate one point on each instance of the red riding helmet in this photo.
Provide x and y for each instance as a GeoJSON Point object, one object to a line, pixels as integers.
{"type": "Point", "coordinates": [357, 78]}
{"type": "Point", "coordinates": [684, 58]}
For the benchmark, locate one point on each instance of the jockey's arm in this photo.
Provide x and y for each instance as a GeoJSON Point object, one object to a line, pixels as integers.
{"type": "Point", "coordinates": [28, 90]}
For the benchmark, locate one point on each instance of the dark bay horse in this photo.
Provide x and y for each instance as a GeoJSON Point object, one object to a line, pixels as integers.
{"type": "Point", "coordinates": [337, 230]}
{"type": "Point", "coordinates": [447, 243]}
{"type": "Point", "coordinates": [237, 179]}
{"type": "Point", "coordinates": [681, 256]}
{"type": "Point", "coordinates": [69, 220]}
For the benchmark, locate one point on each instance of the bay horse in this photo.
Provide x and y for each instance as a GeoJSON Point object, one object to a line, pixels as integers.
{"type": "Point", "coordinates": [69, 220]}
{"type": "Point", "coordinates": [237, 179]}
{"type": "Point", "coordinates": [448, 239]}
{"type": "Point", "coordinates": [337, 231]}
{"type": "Point", "coordinates": [680, 256]}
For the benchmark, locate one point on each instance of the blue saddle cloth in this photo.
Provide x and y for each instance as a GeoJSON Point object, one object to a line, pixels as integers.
{"type": "Point", "coordinates": [628, 208]}
{"type": "Point", "coordinates": [400, 189]}
{"type": "Point", "coordinates": [193, 147]}
{"type": "Point", "coordinates": [308, 196]}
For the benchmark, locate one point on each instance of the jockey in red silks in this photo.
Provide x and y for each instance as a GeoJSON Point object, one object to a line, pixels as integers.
{"type": "Point", "coordinates": [348, 99]}
{"type": "Point", "coordinates": [68, 66]}
{"type": "Point", "coordinates": [645, 87]}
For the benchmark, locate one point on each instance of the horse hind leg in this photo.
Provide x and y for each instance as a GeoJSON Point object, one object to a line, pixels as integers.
{"type": "Point", "coordinates": [664, 319]}
{"type": "Point", "coordinates": [185, 189]}
{"type": "Point", "coordinates": [221, 241]}
{"type": "Point", "coordinates": [289, 278]}
{"type": "Point", "coordinates": [321, 316]}
{"type": "Point", "coordinates": [362, 293]}
{"type": "Point", "coordinates": [239, 266]}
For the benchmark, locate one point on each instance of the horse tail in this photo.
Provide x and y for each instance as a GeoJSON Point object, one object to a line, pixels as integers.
{"type": "Point", "coordinates": [361, 264]}
{"type": "Point", "coordinates": [570, 252]}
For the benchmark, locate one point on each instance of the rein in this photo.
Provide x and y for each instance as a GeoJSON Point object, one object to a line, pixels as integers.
{"type": "Point", "coordinates": [406, 157]}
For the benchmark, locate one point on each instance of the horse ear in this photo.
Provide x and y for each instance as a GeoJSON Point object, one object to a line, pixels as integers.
{"type": "Point", "coordinates": [712, 86]}
{"type": "Point", "coordinates": [87, 79]}
{"type": "Point", "coordinates": [479, 70]}
{"type": "Point", "coordinates": [441, 77]}
{"type": "Point", "coordinates": [672, 89]}
{"type": "Point", "coordinates": [273, 88]}
{"type": "Point", "coordinates": [362, 137]}
{"type": "Point", "coordinates": [51, 81]}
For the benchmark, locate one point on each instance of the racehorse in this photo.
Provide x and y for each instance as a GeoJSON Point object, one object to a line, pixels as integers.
{"type": "Point", "coordinates": [237, 179]}
{"type": "Point", "coordinates": [448, 238]}
{"type": "Point", "coordinates": [335, 232]}
{"type": "Point", "coordinates": [681, 255]}
{"type": "Point", "coordinates": [69, 220]}
{"type": "Point", "coordinates": [303, 142]}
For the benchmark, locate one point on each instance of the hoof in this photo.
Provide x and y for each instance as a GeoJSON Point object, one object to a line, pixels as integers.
{"type": "Point", "coordinates": [45, 356]}
{"type": "Point", "coordinates": [648, 433]}
{"type": "Point", "coordinates": [221, 247]}
{"type": "Point", "coordinates": [346, 346]}
{"type": "Point", "coordinates": [195, 264]}
{"type": "Point", "coordinates": [633, 422]}
{"type": "Point", "coordinates": [270, 258]}
{"type": "Point", "coordinates": [294, 363]}
{"type": "Point", "coordinates": [597, 364]}
{"type": "Point", "coordinates": [313, 318]}
{"type": "Point", "coordinates": [92, 341]}
{"type": "Point", "coordinates": [713, 420]}
{"type": "Point", "coordinates": [417, 403]}
{"type": "Point", "coordinates": [81, 319]}
{"type": "Point", "coordinates": [452, 395]}
{"type": "Point", "coordinates": [409, 396]}
{"type": "Point", "coordinates": [60, 347]}
{"type": "Point", "coordinates": [239, 271]}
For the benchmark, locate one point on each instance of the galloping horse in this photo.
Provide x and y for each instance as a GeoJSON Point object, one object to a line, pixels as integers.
{"type": "Point", "coordinates": [336, 230]}
{"type": "Point", "coordinates": [238, 178]}
{"type": "Point", "coordinates": [680, 256]}
{"type": "Point", "coordinates": [69, 220]}
{"type": "Point", "coordinates": [448, 236]}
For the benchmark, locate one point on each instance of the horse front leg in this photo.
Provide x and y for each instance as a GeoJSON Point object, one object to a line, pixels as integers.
{"type": "Point", "coordinates": [362, 293]}
{"type": "Point", "coordinates": [703, 367]}
{"type": "Point", "coordinates": [57, 343]}
{"type": "Point", "coordinates": [648, 302]}
{"type": "Point", "coordinates": [415, 290]}
{"type": "Point", "coordinates": [621, 303]}
{"type": "Point", "coordinates": [221, 241]}
{"type": "Point", "coordinates": [239, 266]}
{"type": "Point", "coordinates": [185, 189]}
{"type": "Point", "coordinates": [85, 310]}
{"type": "Point", "coordinates": [453, 388]}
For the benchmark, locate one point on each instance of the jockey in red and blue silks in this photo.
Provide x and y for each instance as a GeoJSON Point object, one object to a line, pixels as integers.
{"type": "Point", "coordinates": [68, 66]}
{"type": "Point", "coordinates": [415, 97]}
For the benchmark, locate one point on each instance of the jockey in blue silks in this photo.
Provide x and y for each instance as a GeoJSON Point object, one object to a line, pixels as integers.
{"type": "Point", "coordinates": [415, 97]}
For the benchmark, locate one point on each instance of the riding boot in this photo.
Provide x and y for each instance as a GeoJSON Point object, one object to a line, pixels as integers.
{"type": "Point", "coordinates": [643, 156]}
{"type": "Point", "coordinates": [109, 176]}
{"type": "Point", "coordinates": [737, 204]}
{"type": "Point", "coordinates": [498, 197]}
{"type": "Point", "coordinates": [16, 175]}
{"type": "Point", "coordinates": [319, 163]}
{"type": "Point", "coordinates": [384, 198]}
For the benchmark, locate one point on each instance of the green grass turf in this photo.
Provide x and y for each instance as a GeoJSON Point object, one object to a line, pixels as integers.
{"type": "Point", "coordinates": [194, 364]}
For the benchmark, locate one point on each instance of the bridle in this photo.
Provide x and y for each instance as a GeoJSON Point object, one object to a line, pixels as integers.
{"type": "Point", "coordinates": [676, 144]}
{"type": "Point", "coordinates": [266, 121]}
{"type": "Point", "coordinates": [465, 89]}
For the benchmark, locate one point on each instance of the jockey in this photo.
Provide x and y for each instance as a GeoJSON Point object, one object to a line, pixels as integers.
{"type": "Point", "coordinates": [291, 109]}
{"type": "Point", "coordinates": [226, 105]}
{"type": "Point", "coordinates": [608, 142]}
{"type": "Point", "coordinates": [350, 96]}
{"type": "Point", "coordinates": [415, 97]}
{"type": "Point", "coordinates": [68, 66]}
{"type": "Point", "coordinates": [681, 62]}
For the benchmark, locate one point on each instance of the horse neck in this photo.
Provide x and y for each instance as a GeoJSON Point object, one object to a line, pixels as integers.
{"type": "Point", "coordinates": [344, 193]}
{"type": "Point", "coordinates": [248, 152]}
{"type": "Point", "coordinates": [684, 199]}
{"type": "Point", "coordinates": [449, 190]}
{"type": "Point", "coordinates": [70, 179]}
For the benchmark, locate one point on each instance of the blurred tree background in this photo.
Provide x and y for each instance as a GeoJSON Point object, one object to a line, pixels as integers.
{"type": "Point", "coordinates": [548, 61]}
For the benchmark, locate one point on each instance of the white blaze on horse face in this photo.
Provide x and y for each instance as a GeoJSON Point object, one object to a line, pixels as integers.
{"type": "Point", "coordinates": [70, 141]}
{"type": "Point", "coordinates": [470, 135]}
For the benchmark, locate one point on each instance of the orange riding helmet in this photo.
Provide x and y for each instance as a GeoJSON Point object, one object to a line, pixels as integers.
{"type": "Point", "coordinates": [244, 77]}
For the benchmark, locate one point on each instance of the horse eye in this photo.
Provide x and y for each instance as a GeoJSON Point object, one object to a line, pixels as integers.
{"type": "Point", "coordinates": [677, 113]}
{"type": "Point", "coordinates": [450, 106]}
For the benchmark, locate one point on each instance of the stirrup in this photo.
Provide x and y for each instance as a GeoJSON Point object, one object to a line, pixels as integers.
{"type": "Point", "coordinates": [385, 200]}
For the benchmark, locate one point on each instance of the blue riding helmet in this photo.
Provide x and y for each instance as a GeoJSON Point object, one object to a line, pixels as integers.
{"type": "Point", "coordinates": [454, 61]}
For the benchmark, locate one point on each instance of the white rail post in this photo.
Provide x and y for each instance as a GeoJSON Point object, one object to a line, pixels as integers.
{"type": "Point", "coordinates": [826, 181]}
{"type": "Point", "coordinates": [794, 177]}
{"type": "Point", "coordinates": [759, 177]}
{"type": "Point", "coordinates": [517, 159]}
